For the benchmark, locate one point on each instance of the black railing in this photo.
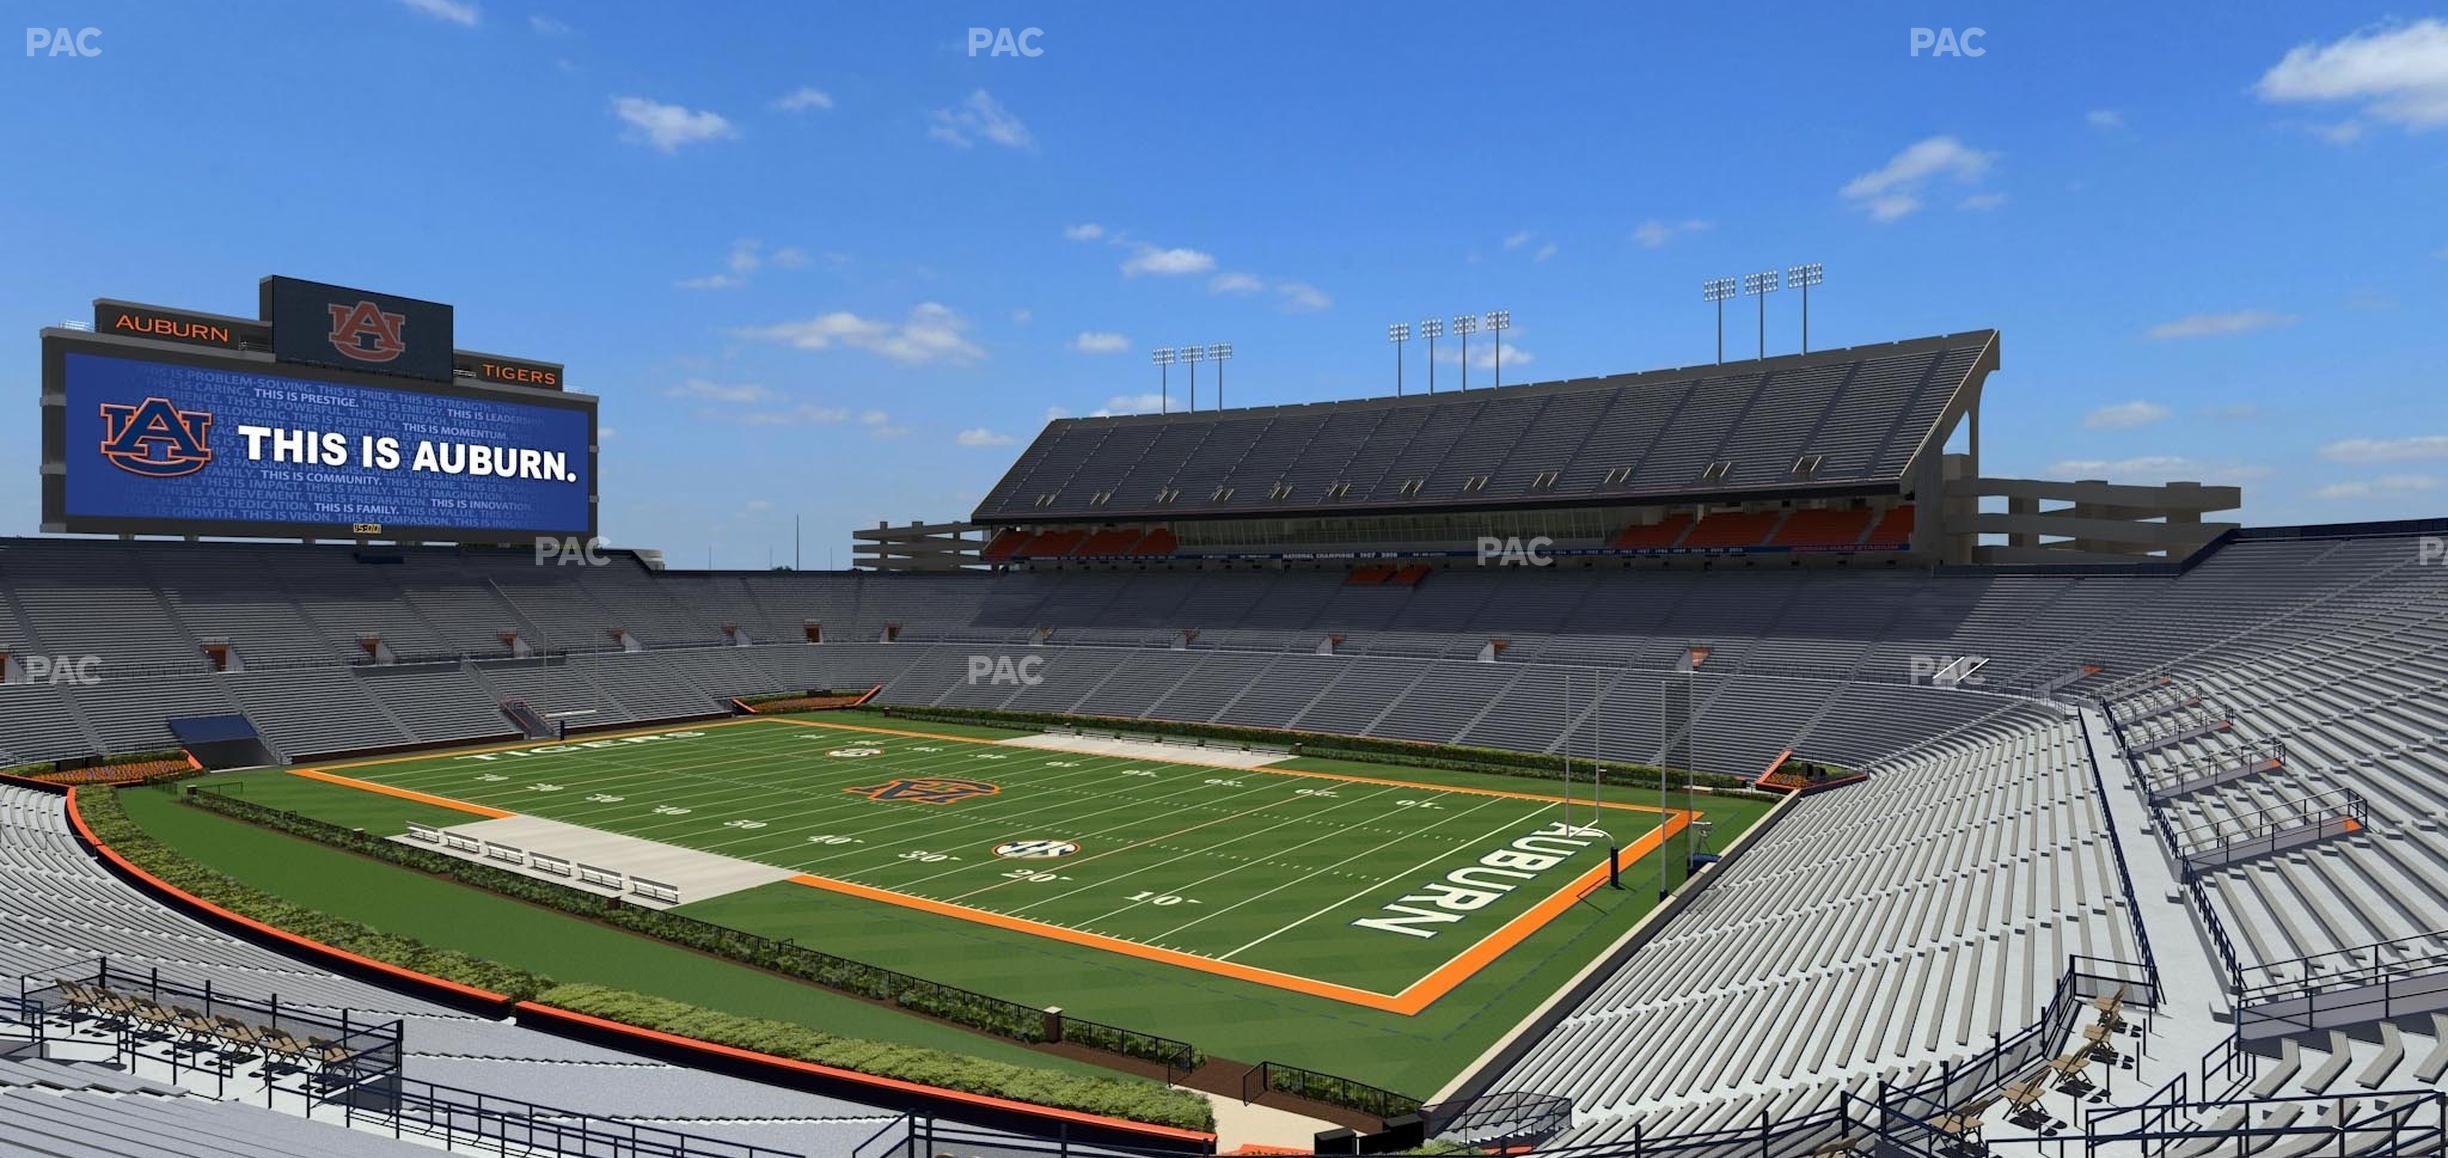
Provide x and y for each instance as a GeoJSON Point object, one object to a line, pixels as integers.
{"type": "Point", "coordinates": [918, 1136]}
{"type": "Point", "coordinates": [2201, 908]}
{"type": "Point", "coordinates": [2397, 1122]}
{"type": "Point", "coordinates": [1498, 1120]}
{"type": "Point", "coordinates": [2116, 848]}
{"type": "Point", "coordinates": [2211, 770]}
{"type": "Point", "coordinates": [457, 1117]}
{"type": "Point", "coordinates": [1277, 1077]}
{"type": "Point", "coordinates": [2269, 828]}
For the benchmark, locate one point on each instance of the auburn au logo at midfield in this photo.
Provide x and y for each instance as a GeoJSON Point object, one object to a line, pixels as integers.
{"type": "Point", "coordinates": [364, 332]}
{"type": "Point", "coordinates": [926, 789]}
{"type": "Point", "coordinates": [155, 439]}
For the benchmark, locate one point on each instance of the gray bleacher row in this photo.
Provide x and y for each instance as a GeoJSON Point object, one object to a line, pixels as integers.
{"type": "Point", "coordinates": [59, 913]}
{"type": "Point", "coordinates": [73, 1110]}
{"type": "Point", "coordinates": [1867, 628]}
{"type": "Point", "coordinates": [1866, 411]}
{"type": "Point", "coordinates": [1886, 926]}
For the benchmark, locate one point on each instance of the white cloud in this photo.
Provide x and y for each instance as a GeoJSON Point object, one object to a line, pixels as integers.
{"type": "Point", "coordinates": [2124, 416]}
{"type": "Point", "coordinates": [760, 505]}
{"type": "Point", "coordinates": [2104, 119]}
{"type": "Point", "coordinates": [979, 118]}
{"type": "Point", "coordinates": [1099, 342]}
{"type": "Point", "coordinates": [546, 25]}
{"type": "Point", "coordinates": [2212, 325]}
{"type": "Point", "coordinates": [2158, 468]}
{"type": "Point", "coordinates": [1654, 234]}
{"type": "Point", "coordinates": [1148, 403]}
{"type": "Point", "coordinates": [803, 98]}
{"type": "Point", "coordinates": [2419, 447]}
{"type": "Point", "coordinates": [931, 333]}
{"type": "Point", "coordinates": [453, 11]}
{"type": "Point", "coordinates": [803, 414]}
{"type": "Point", "coordinates": [1980, 201]}
{"type": "Point", "coordinates": [2398, 74]}
{"type": "Point", "coordinates": [1544, 252]}
{"type": "Point", "coordinates": [1517, 240]}
{"type": "Point", "coordinates": [605, 434]}
{"type": "Point", "coordinates": [789, 257]}
{"type": "Point", "coordinates": [667, 127]}
{"type": "Point", "coordinates": [1894, 190]}
{"type": "Point", "coordinates": [980, 436]}
{"type": "Point", "coordinates": [2394, 484]}
{"type": "Point", "coordinates": [1301, 297]}
{"type": "Point", "coordinates": [1084, 231]}
{"type": "Point", "coordinates": [1236, 283]}
{"type": "Point", "coordinates": [747, 256]}
{"type": "Point", "coordinates": [744, 256]}
{"type": "Point", "coordinates": [1023, 316]}
{"type": "Point", "coordinates": [706, 391]}
{"type": "Point", "coordinates": [1483, 355]}
{"type": "Point", "coordinates": [1054, 412]}
{"type": "Point", "coordinates": [879, 424]}
{"type": "Point", "coordinates": [712, 281]}
{"type": "Point", "coordinates": [1149, 259]}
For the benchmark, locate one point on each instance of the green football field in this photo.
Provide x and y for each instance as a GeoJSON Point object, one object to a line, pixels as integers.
{"type": "Point", "coordinates": [1257, 956]}
{"type": "Point", "coordinates": [1380, 890]}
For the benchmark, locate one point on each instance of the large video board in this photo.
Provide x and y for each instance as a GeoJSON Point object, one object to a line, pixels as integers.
{"type": "Point", "coordinates": [141, 439]}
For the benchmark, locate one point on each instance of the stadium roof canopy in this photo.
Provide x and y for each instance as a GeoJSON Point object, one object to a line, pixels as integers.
{"type": "Point", "coordinates": [1850, 421]}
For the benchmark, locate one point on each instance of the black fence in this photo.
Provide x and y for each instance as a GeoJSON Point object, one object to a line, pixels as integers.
{"type": "Point", "coordinates": [995, 1015]}
{"type": "Point", "coordinates": [459, 1118]}
{"type": "Point", "coordinates": [1499, 1121]}
{"type": "Point", "coordinates": [919, 1136]}
{"type": "Point", "coordinates": [1324, 1087]}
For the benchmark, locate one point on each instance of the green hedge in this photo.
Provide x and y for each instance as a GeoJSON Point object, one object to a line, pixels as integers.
{"type": "Point", "coordinates": [1327, 745]}
{"type": "Point", "coordinates": [110, 824]}
{"type": "Point", "coordinates": [989, 1014]}
{"type": "Point", "coordinates": [1137, 1101]}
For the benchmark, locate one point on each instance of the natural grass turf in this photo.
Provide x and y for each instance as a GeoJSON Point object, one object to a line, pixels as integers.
{"type": "Point", "coordinates": [1223, 1016]}
{"type": "Point", "coordinates": [565, 948]}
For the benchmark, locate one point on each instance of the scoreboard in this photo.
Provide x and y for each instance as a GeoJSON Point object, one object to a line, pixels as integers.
{"type": "Point", "coordinates": [165, 422]}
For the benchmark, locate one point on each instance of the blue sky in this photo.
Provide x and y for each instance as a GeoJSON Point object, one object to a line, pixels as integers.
{"type": "Point", "coordinates": [821, 260]}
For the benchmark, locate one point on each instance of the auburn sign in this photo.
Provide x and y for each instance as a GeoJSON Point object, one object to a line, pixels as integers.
{"type": "Point", "coordinates": [156, 439]}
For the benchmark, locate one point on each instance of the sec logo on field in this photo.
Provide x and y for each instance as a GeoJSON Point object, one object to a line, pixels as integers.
{"type": "Point", "coordinates": [1035, 849]}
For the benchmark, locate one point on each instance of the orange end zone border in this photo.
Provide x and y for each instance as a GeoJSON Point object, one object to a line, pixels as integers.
{"type": "Point", "coordinates": [1413, 998]}
{"type": "Point", "coordinates": [402, 793]}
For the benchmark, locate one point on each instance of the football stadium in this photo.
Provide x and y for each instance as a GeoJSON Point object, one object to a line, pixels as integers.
{"type": "Point", "coordinates": [1699, 760]}
{"type": "Point", "coordinates": [1994, 708]}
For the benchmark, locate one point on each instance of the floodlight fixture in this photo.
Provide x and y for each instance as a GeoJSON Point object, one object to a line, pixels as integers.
{"type": "Point", "coordinates": [1466, 325]}
{"type": "Point", "coordinates": [1398, 333]}
{"type": "Point", "coordinates": [1760, 285]}
{"type": "Point", "coordinates": [1498, 321]}
{"type": "Point", "coordinates": [1217, 352]}
{"type": "Point", "coordinates": [1716, 290]}
{"type": "Point", "coordinates": [1432, 329]}
{"type": "Point", "coordinates": [1164, 388]}
{"type": "Point", "coordinates": [1192, 353]}
{"type": "Point", "coordinates": [1803, 277]}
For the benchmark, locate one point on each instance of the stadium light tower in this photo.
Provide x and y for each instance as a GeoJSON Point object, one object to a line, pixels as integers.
{"type": "Point", "coordinates": [1760, 285]}
{"type": "Point", "coordinates": [1465, 325]}
{"type": "Point", "coordinates": [1803, 277]}
{"type": "Point", "coordinates": [1164, 385]}
{"type": "Point", "coordinates": [1398, 333]}
{"type": "Point", "coordinates": [1192, 353]}
{"type": "Point", "coordinates": [1717, 290]}
{"type": "Point", "coordinates": [1432, 329]}
{"type": "Point", "coordinates": [1498, 321]}
{"type": "Point", "coordinates": [1217, 352]}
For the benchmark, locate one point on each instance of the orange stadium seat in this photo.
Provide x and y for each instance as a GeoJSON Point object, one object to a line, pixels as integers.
{"type": "Point", "coordinates": [1895, 530]}
{"type": "Point", "coordinates": [1055, 544]}
{"type": "Point", "coordinates": [1665, 532]}
{"type": "Point", "coordinates": [1837, 528]}
{"type": "Point", "coordinates": [1111, 541]}
{"type": "Point", "coordinates": [1158, 542]}
{"type": "Point", "coordinates": [1004, 544]}
{"type": "Point", "coordinates": [1374, 573]}
{"type": "Point", "coordinates": [1738, 529]}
